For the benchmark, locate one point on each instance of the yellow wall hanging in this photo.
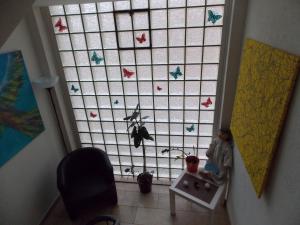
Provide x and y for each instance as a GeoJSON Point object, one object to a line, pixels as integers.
{"type": "Point", "coordinates": [266, 80]}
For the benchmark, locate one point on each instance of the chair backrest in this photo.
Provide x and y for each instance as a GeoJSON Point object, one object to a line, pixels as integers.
{"type": "Point", "coordinates": [83, 162]}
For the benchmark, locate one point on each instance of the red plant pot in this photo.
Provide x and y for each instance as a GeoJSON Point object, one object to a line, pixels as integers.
{"type": "Point", "coordinates": [192, 163]}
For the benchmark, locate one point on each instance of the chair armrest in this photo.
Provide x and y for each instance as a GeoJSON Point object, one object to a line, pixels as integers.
{"type": "Point", "coordinates": [61, 179]}
{"type": "Point", "coordinates": [108, 167]}
{"type": "Point", "coordinates": [108, 171]}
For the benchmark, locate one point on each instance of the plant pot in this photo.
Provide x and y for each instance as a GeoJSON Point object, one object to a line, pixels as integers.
{"type": "Point", "coordinates": [192, 163]}
{"type": "Point", "coordinates": [145, 182]}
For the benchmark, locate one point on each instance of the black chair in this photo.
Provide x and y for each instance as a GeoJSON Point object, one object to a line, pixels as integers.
{"type": "Point", "coordinates": [85, 178]}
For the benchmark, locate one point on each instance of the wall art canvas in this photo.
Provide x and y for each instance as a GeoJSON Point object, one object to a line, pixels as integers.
{"type": "Point", "coordinates": [20, 120]}
{"type": "Point", "coordinates": [266, 80]}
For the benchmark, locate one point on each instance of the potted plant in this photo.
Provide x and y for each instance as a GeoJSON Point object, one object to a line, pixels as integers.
{"type": "Point", "coordinates": [139, 133]}
{"type": "Point", "coordinates": [192, 161]}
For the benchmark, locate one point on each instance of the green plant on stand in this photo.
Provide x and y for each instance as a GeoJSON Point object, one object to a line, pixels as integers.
{"type": "Point", "coordinates": [192, 161]}
{"type": "Point", "coordinates": [139, 133]}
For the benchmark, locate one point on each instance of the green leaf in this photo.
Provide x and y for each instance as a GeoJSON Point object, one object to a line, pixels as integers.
{"type": "Point", "coordinates": [137, 140]}
{"type": "Point", "coordinates": [127, 170]}
{"type": "Point", "coordinates": [127, 118]}
{"type": "Point", "coordinates": [134, 115]}
{"type": "Point", "coordinates": [178, 157]}
{"type": "Point", "coordinates": [143, 131]}
{"type": "Point", "coordinates": [165, 150]}
{"type": "Point", "coordinates": [134, 132]}
{"type": "Point", "coordinates": [150, 138]}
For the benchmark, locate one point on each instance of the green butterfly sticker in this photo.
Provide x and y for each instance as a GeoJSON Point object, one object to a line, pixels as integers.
{"type": "Point", "coordinates": [176, 73]}
{"type": "Point", "coordinates": [213, 17]}
{"type": "Point", "coordinates": [191, 128]}
{"type": "Point", "coordinates": [74, 89]}
{"type": "Point", "coordinates": [97, 59]}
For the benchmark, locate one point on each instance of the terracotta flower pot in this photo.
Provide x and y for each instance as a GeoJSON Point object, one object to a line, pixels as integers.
{"type": "Point", "coordinates": [192, 163]}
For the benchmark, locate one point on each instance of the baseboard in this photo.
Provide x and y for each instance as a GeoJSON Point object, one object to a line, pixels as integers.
{"type": "Point", "coordinates": [120, 179]}
{"type": "Point", "coordinates": [49, 209]}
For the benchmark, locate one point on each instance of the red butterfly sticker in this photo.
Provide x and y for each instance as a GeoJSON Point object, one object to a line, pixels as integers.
{"type": "Point", "coordinates": [60, 26]}
{"type": "Point", "coordinates": [93, 115]}
{"type": "Point", "coordinates": [127, 73]}
{"type": "Point", "coordinates": [207, 103]}
{"type": "Point", "coordinates": [158, 88]}
{"type": "Point", "coordinates": [141, 39]}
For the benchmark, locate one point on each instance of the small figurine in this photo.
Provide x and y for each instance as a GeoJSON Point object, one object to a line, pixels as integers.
{"type": "Point", "coordinates": [219, 156]}
{"type": "Point", "coordinates": [185, 183]}
{"type": "Point", "coordinates": [207, 186]}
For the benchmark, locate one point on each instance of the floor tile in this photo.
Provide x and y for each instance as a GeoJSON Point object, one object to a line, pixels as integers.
{"type": "Point", "coordinates": [125, 214]}
{"type": "Point", "coordinates": [134, 198]}
{"type": "Point", "coordinates": [197, 208]}
{"type": "Point", "coordinates": [135, 208]}
{"type": "Point", "coordinates": [181, 203]}
{"type": "Point", "coordinates": [59, 216]}
{"type": "Point", "coordinates": [135, 187]}
{"type": "Point", "coordinates": [153, 216]}
{"type": "Point", "coordinates": [147, 216]}
{"type": "Point", "coordinates": [221, 219]}
{"type": "Point", "coordinates": [160, 189]}
{"type": "Point", "coordinates": [127, 186]}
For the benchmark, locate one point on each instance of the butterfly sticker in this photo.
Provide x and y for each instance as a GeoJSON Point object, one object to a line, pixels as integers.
{"type": "Point", "coordinates": [207, 103]}
{"type": "Point", "coordinates": [176, 73]}
{"type": "Point", "coordinates": [93, 115]}
{"type": "Point", "coordinates": [97, 59]}
{"type": "Point", "coordinates": [116, 102]}
{"type": "Point", "coordinates": [213, 17]}
{"type": "Point", "coordinates": [141, 39]}
{"type": "Point", "coordinates": [158, 88]}
{"type": "Point", "coordinates": [127, 73]}
{"type": "Point", "coordinates": [191, 128]}
{"type": "Point", "coordinates": [73, 88]}
{"type": "Point", "coordinates": [60, 26]}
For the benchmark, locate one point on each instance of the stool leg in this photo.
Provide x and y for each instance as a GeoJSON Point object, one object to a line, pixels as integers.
{"type": "Point", "coordinates": [211, 217]}
{"type": "Point", "coordinates": [172, 202]}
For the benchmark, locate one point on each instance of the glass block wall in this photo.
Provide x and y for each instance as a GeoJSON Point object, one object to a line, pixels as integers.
{"type": "Point", "coordinates": [162, 54]}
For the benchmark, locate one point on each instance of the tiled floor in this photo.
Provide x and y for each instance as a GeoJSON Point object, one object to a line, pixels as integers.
{"type": "Point", "coordinates": [135, 208]}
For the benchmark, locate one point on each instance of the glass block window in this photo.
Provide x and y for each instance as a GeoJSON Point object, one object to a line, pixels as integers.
{"type": "Point", "coordinates": [162, 54]}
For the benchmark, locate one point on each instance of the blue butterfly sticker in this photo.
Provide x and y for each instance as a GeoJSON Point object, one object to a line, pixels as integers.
{"type": "Point", "coordinates": [176, 73]}
{"type": "Point", "coordinates": [97, 59]}
{"type": "Point", "coordinates": [191, 128]}
{"type": "Point", "coordinates": [73, 88]}
{"type": "Point", "coordinates": [213, 17]}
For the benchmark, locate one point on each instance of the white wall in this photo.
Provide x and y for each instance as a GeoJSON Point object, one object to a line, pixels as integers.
{"type": "Point", "coordinates": [20, 8]}
{"type": "Point", "coordinates": [28, 180]}
{"type": "Point", "coordinates": [275, 22]}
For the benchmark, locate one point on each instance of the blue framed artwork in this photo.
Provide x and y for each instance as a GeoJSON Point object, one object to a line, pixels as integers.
{"type": "Point", "coordinates": [20, 119]}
